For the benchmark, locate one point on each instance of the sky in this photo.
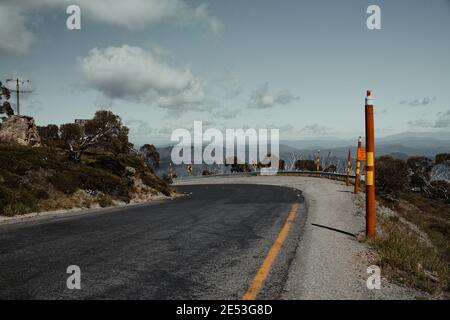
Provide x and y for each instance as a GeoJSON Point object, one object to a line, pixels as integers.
{"type": "Point", "coordinates": [299, 66]}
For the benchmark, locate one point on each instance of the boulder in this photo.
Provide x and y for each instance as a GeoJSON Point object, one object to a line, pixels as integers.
{"type": "Point", "coordinates": [21, 130]}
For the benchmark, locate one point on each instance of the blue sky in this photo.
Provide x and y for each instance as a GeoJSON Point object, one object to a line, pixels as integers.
{"type": "Point", "coordinates": [300, 66]}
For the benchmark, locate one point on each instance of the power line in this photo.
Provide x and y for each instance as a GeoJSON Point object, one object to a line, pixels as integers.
{"type": "Point", "coordinates": [18, 91]}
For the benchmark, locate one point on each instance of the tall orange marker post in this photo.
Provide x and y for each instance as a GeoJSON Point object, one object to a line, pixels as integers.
{"type": "Point", "coordinates": [318, 161]}
{"type": "Point", "coordinates": [358, 165]}
{"type": "Point", "coordinates": [370, 168]}
{"type": "Point", "coordinates": [349, 159]}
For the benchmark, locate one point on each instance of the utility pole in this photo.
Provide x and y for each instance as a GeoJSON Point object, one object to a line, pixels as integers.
{"type": "Point", "coordinates": [349, 159]}
{"type": "Point", "coordinates": [370, 167]}
{"type": "Point", "coordinates": [318, 160]}
{"type": "Point", "coordinates": [18, 91]}
{"type": "Point", "coordinates": [358, 165]}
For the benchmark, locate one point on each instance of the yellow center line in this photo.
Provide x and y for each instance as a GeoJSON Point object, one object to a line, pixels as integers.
{"type": "Point", "coordinates": [264, 270]}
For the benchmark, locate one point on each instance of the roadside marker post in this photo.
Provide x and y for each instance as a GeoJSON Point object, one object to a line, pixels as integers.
{"type": "Point", "coordinates": [370, 167]}
{"type": "Point", "coordinates": [318, 160]}
{"type": "Point", "coordinates": [347, 181]}
{"type": "Point", "coordinates": [358, 164]}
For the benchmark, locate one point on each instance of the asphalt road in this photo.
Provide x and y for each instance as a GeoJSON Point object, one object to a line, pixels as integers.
{"type": "Point", "coordinates": [206, 245]}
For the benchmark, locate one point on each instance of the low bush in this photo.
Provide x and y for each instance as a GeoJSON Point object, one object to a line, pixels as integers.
{"type": "Point", "coordinates": [391, 175]}
{"type": "Point", "coordinates": [30, 177]}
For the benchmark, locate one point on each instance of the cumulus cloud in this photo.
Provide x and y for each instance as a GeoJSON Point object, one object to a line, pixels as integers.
{"type": "Point", "coordinates": [264, 98]}
{"type": "Point", "coordinates": [443, 121]}
{"type": "Point", "coordinates": [14, 35]}
{"type": "Point", "coordinates": [129, 72]}
{"type": "Point", "coordinates": [419, 102]}
{"type": "Point", "coordinates": [130, 14]}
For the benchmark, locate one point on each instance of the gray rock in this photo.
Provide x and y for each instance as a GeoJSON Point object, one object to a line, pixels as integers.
{"type": "Point", "coordinates": [21, 130]}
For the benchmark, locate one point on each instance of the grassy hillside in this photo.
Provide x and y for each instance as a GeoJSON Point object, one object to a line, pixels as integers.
{"type": "Point", "coordinates": [43, 179]}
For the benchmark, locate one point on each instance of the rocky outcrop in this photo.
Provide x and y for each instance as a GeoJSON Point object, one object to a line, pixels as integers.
{"type": "Point", "coordinates": [21, 130]}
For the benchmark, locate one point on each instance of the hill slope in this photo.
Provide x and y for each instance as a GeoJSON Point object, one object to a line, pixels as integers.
{"type": "Point", "coordinates": [44, 179]}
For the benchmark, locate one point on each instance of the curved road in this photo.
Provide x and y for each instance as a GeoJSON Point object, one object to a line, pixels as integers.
{"type": "Point", "coordinates": [208, 244]}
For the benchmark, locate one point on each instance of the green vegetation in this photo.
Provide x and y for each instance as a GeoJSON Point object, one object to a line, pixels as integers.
{"type": "Point", "coordinates": [78, 166]}
{"type": "Point", "coordinates": [308, 165]}
{"type": "Point", "coordinates": [414, 246]}
{"type": "Point", "coordinates": [409, 259]}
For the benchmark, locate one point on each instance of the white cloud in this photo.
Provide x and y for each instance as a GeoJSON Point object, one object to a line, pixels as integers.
{"type": "Point", "coordinates": [130, 14]}
{"type": "Point", "coordinates": [131, 73]}
{"type": "Point", "coordinates": [192, 94]}
{"type": "Point", "coordinates": [443, 121]}
{"type": "Point", "coordinates": [420, 102]}
{"type": "Point", "coordinates": [263, 98]}
{"type": "Point", "coordinates": [14, 36]}
{"type": "Point", "coordinates": [141, 13]}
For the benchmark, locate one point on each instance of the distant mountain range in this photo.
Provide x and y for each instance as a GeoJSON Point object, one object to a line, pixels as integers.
{"type": "Point", "coordinates": [399, 145]}
{"type": "Point", "coordinates": [335, 151]}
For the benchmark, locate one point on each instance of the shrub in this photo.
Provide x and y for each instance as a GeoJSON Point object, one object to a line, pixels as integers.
{"type": "Point", "coordinates": [95, 179]}
{"type": "Point", "coordinates": [105, 201]}
{"type": "Point", "coordinates": [308, 165]}
{"type": "Point", "coordinates": [16, 202]}
{"type": "Point", "coordinates": [111, 164]}
{"type": "Point", "coordinates": [420, 169]}
{"type": "Point", "coordinates": [442, 157]}
{"type": "Point", "coordinates": [440, 190]}
{"type": "Point", "coordinates": [156, 183]}
{"type": "Point", "coordinates": [49, 135]}
{"type": "Point", "coordinates": [65, 181]}
{"type": "Point", "coordinates": [391, 175]}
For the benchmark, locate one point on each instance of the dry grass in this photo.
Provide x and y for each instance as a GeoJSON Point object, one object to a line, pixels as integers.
{"type": "Point", "coordinates": [403, 252]}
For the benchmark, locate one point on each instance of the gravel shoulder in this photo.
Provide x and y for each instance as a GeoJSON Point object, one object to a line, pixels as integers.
{"type": "Point", "coordinates": [330, 262]}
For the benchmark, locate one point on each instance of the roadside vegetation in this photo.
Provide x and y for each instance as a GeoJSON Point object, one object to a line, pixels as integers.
{"type": "Point", "coordinates": [414, 243]}
{"type": "Point", "coordinates": [78, 166]}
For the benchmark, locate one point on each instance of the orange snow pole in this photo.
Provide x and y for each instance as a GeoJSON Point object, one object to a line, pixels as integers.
{"type": "Point", "coordinates": [358, 166]}
{"type": "Point", "coordinates": [318, 161]}
{"type": "Point", "coordinates": [347, 181]}
{"type": "Point", "coordinates": [170, 170]}
{"type": "Point", "coordinates": [370, 167]}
